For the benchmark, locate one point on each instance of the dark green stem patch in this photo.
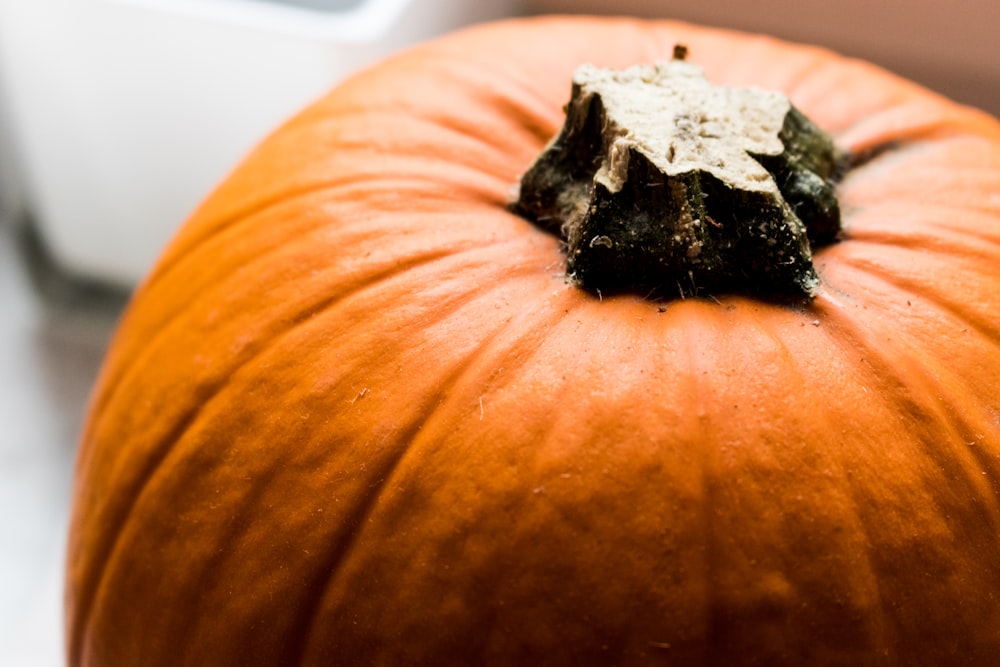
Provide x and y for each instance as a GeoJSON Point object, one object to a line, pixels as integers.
{"type": "Point", "coordinates": [661, 183]}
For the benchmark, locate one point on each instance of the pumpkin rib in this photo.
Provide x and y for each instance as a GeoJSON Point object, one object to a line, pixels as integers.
{"type": "Point", "coordinates": [925, 292]}
{"type": "Point", "coordinates": [892, 361]}
{"type": "Point", "coordinates": [419, 127]}
{"type": "Point", "coordinates": [926, 160]}
{"type": "Point", "coordinates": [877, 629]}
{"type": "Point", "coordinates": [940, 238]}
{"type": "Point", "coordinates": [911, 181]}
{"type": "Point", "coordinates": [838, 76]}
{"type": "Point", "coordinates": [152, 466]}
{"type": "Point", "coordinates": [440, 413]}
{"type": "Point", "coordinates": [202, 232]}
{"type": "Point", "coordinates": [863, 340]}
{"type": "Point", "coordinates": [523, 108]}
{"type": "Point", "coordinates": [475, 363]}
{"type": "Point", "coordinates": [397, 268]}
{"type": "Point", "coordinates": [910, 121]}
{"type": "Point", "coordinates": [713, 621]}
{"type": "Point", "coordinates": [437, 131]}
{"type": "Point", "coordinates": [206, 392]}
{"type": "Point", "coordinates": [825, 70]}
{"type": "Point", "coordinates": [909, 292]}
{"type": "Point", "coordinates": [900, 252]}
{"type": "Point", "coordinates": [89, 591]}
{"type": "Point", "coordinates": [955, 508]}
{"type": "Point", "coordinates": [713, 640]}
{"type": "Point", "coordinates": [306, 610]}
{"type": "Point", "coordinates": [705, 336]}
{"type": "Point", "coordinates": [178, 319]}
{"type": "Point", "coordinates": [246, 270]}
{"type": "Point", "coordinates": [348, 186]}
{"type": "Point", "coordinates": [963, 428]}
{"type": "Point", "coordinates": [893, 171]}
{"type": "Point", "coordinates": [960, 229]}
{"type": "Point", "coordinates": [881, 634]}
{"type": "Point", "coordinates": [966, 179]}
{"type": "Point", "coordinates": [798, 84]}
{"type": "Point", "coordinates": [384, 475]}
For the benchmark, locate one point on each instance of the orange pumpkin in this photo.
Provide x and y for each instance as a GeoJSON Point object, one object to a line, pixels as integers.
{"type": "Point", "coordinates": [357, 415]}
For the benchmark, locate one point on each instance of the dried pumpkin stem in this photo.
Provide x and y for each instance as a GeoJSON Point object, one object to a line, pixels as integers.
{"type": "Point", "coordinates": [660, 181]}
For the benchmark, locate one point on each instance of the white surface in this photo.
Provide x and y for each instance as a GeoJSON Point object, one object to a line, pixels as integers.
{"type": "Point", "coordinates": [125, 113]}
{"type": "Point", "coordinates": [52, 337]}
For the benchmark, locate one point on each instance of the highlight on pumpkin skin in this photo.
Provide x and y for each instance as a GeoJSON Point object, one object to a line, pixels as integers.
{"type": "Point", "coordinates": [661, 183]}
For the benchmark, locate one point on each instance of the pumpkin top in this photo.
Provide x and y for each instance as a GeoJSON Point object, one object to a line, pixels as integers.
{"type": "Point", "coordinates": [660, 182]}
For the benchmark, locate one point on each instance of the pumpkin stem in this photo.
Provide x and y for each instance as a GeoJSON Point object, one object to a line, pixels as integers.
{"type": "Point", "coordinates": [661, 182]}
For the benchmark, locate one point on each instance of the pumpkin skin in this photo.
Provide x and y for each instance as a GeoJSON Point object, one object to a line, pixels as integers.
{"type": "Point", "coordinates": [356, 415]}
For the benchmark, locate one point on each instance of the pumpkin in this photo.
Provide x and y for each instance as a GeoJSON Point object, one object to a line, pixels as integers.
{"type": "Point", "coordinates": [358, 415]}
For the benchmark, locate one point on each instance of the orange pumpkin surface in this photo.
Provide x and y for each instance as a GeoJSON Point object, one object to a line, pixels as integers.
{"type": "Point", "coordinates": [357, 415]}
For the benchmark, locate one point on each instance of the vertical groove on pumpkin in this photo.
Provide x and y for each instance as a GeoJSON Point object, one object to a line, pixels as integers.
{"type": "Point", "coordinates": [865, 573]}
{"type": "Point", "coordinates": [924, 388]}
{"type": "Point", "coordinates": [712, 638]}
{"type": "Point", "coordinates": [117, 382]}
{"type": "Point", "coordinates": [944, 444]}
{"type": "Point", "coordinates": [103, 559]}
{"type": "Point", "coordinates": [339, 553]}
{"type": "Point", "coordinates": [520, 119]}
{"type": "Point", "coordinates": [806, 71]}
{"type": "Point", "coordinates": [948, 242]}
{"type": "Point", "coordinates": [938, 381]}
{"type": "Point", "coordinates": [343, 187]}
{"type": "Point", "coordinates": [962, 311]}
{"type": "Point", "coordinates": [167, 445]}
{"type": "Point", "coordinates": [185, 248]}
{"type": "Point", "coordinates": [729, 631]}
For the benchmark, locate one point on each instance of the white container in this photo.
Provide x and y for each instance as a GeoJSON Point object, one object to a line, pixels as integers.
{"type": "Point", "coordinates": [123, 114]}
{"type": "Point", "coordinates": [10, 191]}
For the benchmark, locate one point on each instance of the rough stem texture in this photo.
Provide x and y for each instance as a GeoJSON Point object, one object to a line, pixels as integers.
{"type": "Point", "coordinates": [661, 183]}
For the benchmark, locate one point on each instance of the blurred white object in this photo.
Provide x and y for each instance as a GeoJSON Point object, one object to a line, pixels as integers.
{"type": "Point", "coordinates": [123, 114]}
{"type": "Point", "coordinates": [10, 192]}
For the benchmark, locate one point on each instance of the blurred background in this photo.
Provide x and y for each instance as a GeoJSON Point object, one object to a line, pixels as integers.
{"type": "Point", "coordinates": [118, 116]}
